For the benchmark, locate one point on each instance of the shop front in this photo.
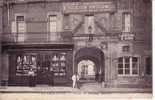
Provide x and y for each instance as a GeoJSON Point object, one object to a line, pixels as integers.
{"type": "Point", "coordinates": [48, 63]}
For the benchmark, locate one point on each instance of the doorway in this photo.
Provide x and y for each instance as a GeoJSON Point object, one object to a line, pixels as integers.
{"type": "Point", "coordinates": [54, 63]}
{"type": "Point", "coordinates": [43, 63]}
{"type": "Point", "coordinates": [87, 70]}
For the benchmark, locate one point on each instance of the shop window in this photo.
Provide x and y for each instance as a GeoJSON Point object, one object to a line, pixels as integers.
{"type": "Point", "coordinates": [148, 65]}
{"type": "Point", "coordinates": [58, 64]}
{"type": "Point", "coordinates": [126, 22]}
{"type": "Point", "coordinates": [24, 63]}
{"type": "Point", "coordinates": [128, 66]}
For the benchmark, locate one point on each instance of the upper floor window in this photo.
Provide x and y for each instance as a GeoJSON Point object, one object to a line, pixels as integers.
{"type": "Point", "coordinates": [53, 27]}
{"type": "Point", "coordinates": [52, 23]}
{"type": "Point", "coordinates": [66, 21]}
{"type": "Point", "coordinates": [19, 26]}
{"type": "Point", "coordinates": [112, 18]}
{"type": "Point", "coordinates": [20, 20]}
{"type": "Point", "coordinates": [126, 22]}
{"type": "Point", "coordinates": [89, 24]}
{"type": "Point", "coordinates": [126, 48]}
{"type": "Point", "coordinates": [128, 66]}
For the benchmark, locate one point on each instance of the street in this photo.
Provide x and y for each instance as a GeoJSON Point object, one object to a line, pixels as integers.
{"type": "Point", "coordinates": [75, 96]}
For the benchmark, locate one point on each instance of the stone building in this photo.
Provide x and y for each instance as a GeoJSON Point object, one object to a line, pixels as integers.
{"type": "Point", "coordinates": [105, 41]}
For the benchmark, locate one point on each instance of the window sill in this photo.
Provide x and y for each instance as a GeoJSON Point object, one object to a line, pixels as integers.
{"type": "Point", "coordinates": [128, 75]}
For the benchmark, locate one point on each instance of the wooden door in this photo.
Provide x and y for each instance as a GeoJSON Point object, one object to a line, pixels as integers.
{"type": "Point", "coordinates": [43, 68]}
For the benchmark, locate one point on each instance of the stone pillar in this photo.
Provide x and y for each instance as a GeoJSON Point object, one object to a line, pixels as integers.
{"type": "Point", "coordinates": [5, 67]}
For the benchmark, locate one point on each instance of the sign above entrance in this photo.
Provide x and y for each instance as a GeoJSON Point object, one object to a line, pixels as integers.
{"type": "Point", "coordinates": [81, 7]}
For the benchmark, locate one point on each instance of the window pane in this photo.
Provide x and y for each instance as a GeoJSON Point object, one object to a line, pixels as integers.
{"type": "Point", "coordinates": [53, 27]}
{"type": "Point", "coordinates": [126, 18]}
{"type": "Point", "coordinates": [63, 64]}
{"type": "Point", "coordinates": [120, 65]}
{"type": "Point", "coordinates": [20, 27]}
{"type": "Point", "coordinates": [127, 66]}
{"type": "Point", "coordinates": [20, 18]}
{"type": "Point", "coordinates": [120, 60]}
{"type": "Point", "coordinates": [127, 59]}
{"type": "Point", "coordinates": [127, 71]}
{"type": "Point", "coordinates": [134, 59]}
{"type": "Point", "coordinates": [134, 65]}
{"type": "Point", "coordinates": [112, 17]}
{"type": "Point", "coordinates": [134, 72]}
{"type": "Point", "coordinates": [53, 18]}
{"type": "Point", "coordinates": [62, 58]}
{"type": "Point", "coordinates": [66, 21]}
{"type": "Point", "coordinates": [125, 48]}
{"type": "Point", "coordinates": [120, 71]}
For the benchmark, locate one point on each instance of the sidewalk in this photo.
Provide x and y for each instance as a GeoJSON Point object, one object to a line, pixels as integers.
{"type": "Point", "coordinates": [61, 89]}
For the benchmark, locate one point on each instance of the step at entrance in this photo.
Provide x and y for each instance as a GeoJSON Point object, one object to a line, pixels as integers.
{"type": "Point", "coordinates": [91, 86]}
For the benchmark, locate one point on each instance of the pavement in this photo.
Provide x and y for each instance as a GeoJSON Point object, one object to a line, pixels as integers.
{"type": "Point", "coordinates": [67, 89]}
{"type": "Point", "coordinates": [86, 92]}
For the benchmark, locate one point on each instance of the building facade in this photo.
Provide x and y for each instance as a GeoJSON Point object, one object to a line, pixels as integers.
{"type": "Point", "coordinates": [107, 41]}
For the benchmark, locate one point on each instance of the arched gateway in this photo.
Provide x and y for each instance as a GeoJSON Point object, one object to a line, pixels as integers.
{"type": "Point", "coordinates": [89, 64]}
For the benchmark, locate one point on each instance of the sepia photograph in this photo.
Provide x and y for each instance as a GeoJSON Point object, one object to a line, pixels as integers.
{"type": "Point", "coordinates": [76, 49]}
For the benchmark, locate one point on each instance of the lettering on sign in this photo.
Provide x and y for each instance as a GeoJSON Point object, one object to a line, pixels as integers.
{"type": "Point", "coordinates": [79, 7]}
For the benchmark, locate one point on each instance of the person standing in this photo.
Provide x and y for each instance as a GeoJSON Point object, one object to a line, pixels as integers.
{"type": "Point", "coordinates": [75, 79]}
{"type": "Point", "coordinates": [31, 77]}
{"type": "Point", "coordinates": [51, 77]}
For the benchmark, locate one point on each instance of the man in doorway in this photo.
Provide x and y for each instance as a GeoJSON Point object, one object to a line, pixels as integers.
{"type": "Point", "coordinates": [51, 77]}
{"type": "Point", "coordinates": [31, 74]}
{"type": "Point", "coordinates": [75, 79]}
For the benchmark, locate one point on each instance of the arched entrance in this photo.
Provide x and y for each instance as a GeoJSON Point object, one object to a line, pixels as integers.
{"type": "Point", "coordinates": [89, 64]}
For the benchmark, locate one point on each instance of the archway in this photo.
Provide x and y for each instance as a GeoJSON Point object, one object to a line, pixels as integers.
{"type": "Point", "coordinates": [89, 63]}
